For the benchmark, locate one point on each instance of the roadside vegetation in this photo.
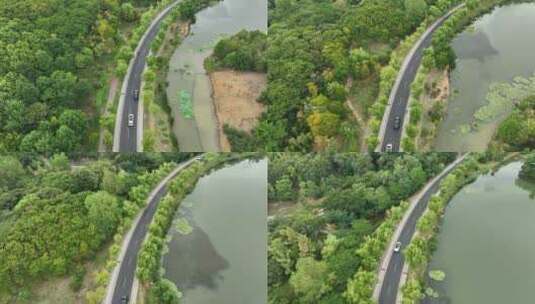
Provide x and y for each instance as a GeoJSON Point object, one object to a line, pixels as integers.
{"type": "Point", "coordinates": [322, 56]}
{"type": "Point", "coordinates": [418, 253]}
{"type": "Point", "coordinates": [158, 135]}
{"type": "Point", "coordinates": [339, 210]}
{"type": "Point", "coordinates": [63, 220]}
{"type": "Point", "coordinates": [428, 105]}
{"type": "Point", "coordinates": [157, 289]}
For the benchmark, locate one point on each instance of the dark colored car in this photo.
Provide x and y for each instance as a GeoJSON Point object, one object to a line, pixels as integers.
{"type": "Point", "coordinates": [397, 123]}
{"type": "Point", "coordinates": [136, 94]}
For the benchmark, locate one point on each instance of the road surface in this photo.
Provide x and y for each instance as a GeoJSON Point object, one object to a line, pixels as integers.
{"type": "Point", "coordinates": [123, 276]}
{"type": "Point", "coordinates": [389, 288]}
{"type": "Point", "coordinates": [399, 96]}
{"type": "Point", "coordinates": [127, 139]}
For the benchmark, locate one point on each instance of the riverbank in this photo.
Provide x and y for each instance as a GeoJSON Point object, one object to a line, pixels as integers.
{"type": "Point", "coordinates": [482, 248]}
{"type": "Point", "coordinates": [210, 245]}
{"type": "Point", "coordinates": [235, 97]}
{"type": "Point", "coordinates": [153, 286]}
{"type": "Point", "coordinates": [419, 251]}
{"type": "Point", "coordinates": [485, 65]}
{"type": "Point", "coordinates": [430, 93]}
{"type": "Point", "coordinates": [189, 90]}
{"type": "Point", "coordinates": [157, 135]}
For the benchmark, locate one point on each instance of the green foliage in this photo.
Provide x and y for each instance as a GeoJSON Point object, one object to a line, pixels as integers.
{"type": "Point", "coordinates": [148, 264]}
{"type": "Point", "coordinates": [310, 279]}
{"type": "Point", "coordinates": [528, 167]}
{"type": "Point", "coordinates": [418, 252]}
{"type": "Point", "coordinates": [517, 131]}
{"type": "Point", "coordinates": [437, 275]}
{"type": "Point", "coordinates": [313, 48]}
{"type": "Point", "coordinates": [185, 104]}
{"type": "Point", "coordinates": [128, 12]}
{"type": "Point", "coordinates": [412, 292]}
{"type": "Point", "coordinates": [243, 52]}
{"type": "Point", "coordinates": [46, 61]}
{"type": "Point", "coordinates": [339, 197]}
{"type": "Point", "coordinates": [183, 226]}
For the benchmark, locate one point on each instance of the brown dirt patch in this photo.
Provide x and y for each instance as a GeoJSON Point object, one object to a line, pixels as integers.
{"type": "Point", "coordinates": [235, 94]}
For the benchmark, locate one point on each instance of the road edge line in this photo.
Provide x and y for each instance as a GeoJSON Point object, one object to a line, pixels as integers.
{"type": "Point", "coordinates": [120, 108]}
{"type": "Point", "coordinates": [430, 30]}
{"type": "Point", "coordinates": [414, 200]}
{"type": "Point", "coordinates": [126, 240]}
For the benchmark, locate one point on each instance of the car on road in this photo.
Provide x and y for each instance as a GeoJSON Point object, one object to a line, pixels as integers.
{"type": "Point", "coordinates": [136, 95]}
{"type": "Point", "coordinates": [397, 248]}
{"type": "Point", "coordinates": [124, 299]}
{"type": "Point", "coordinates": [389, 148]}
{"type": "Point", "coordinates": [130, 120]}
{"type": "Point", "coordinates": [198, 157]}
{"type": "Point", "coordinates": [397, 123]}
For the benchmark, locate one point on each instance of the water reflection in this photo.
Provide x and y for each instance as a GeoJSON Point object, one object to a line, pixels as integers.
{"type": "Point", "coordinates": [484, 245]}
{"type": "Point", "coordinates": [218, 241]}
{"type": "Point", "coordinates": [195, 123]}
{"type": "Point", "coordinates": [475, 45]}
{"type": "Point", "coordinates": [496, 49]}
{"type": "Point", "coordinates": [198, 261]}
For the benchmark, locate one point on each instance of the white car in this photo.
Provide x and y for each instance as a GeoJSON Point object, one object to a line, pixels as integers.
{"type": "Point", "coordinates": [130, 120]}
{"type": "Point", "coordinates": [389, 148]}
{"type": "Point", "coordinates": [397, 247]}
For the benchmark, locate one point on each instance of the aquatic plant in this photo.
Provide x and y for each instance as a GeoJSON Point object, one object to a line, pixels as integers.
{"type": "Point", "coordinates": [185, 104]}
{"type": "Point", "coordinates": [502, 97]}
{"type": "Point", "coordinates": [437, 275]}
{"type": "Point", "coordinates": [183, 226]}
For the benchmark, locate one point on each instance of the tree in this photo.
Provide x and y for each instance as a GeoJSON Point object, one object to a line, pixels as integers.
{"type": "Point", "coordinates": [416, 9]}
{"type": "Point", "coordinates": [323, 123]}
{"type": "Point", "coordinates": [528, 168]}
{"type": "Point", "coordinates": [84, 58]}
{"type": "Point", "coordinates": [284, 189]}
{"type": "Point", "coordinates": [362, 62]}
{"type": "Point", "coordinates": [66, 139]}
{"type": "Point", "coordinates": [103, 212]}
{"type": "Point", "coordinates": [11, 171]}
{"type": "Point", "coordinates": [59, 162]}
{"type": "Point", "coordinates": [121, 68]}
{"type": "Point", "coordinates": [57, 89]}
{"type": "Point", "coordinates": [128, 12]}
{"type": "Point", "coordinates": [310, 279]}
{"type": "Point", "coordinates": [360, 288]}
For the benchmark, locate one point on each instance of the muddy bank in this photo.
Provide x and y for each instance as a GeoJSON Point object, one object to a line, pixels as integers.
{"type": "Point", "coordinates": [235, 95]}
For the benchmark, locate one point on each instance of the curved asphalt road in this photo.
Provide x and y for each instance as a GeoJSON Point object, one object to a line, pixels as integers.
{"type": "Point", "coordinates": [122, 286]}
{"type": "Point", "coordinates": [128, 136]}
{"type": "Point", "coordinates": [399, 96]}
{"type": "Point", "coordinates": [389, 290]}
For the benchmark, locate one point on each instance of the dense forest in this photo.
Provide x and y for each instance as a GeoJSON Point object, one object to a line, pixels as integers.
{"type": "Point", "coordinates": [315, 49]}
{"type": "Point", "coordinates": [52, 55]}
{"type": "Point", "coordinates": [56, 214]}
{"type": "Point", "coordinates": [322, 208]}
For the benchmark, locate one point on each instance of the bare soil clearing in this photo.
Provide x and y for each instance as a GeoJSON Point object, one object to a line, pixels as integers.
{"type": "Point", "coordinates": [235, 94]}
